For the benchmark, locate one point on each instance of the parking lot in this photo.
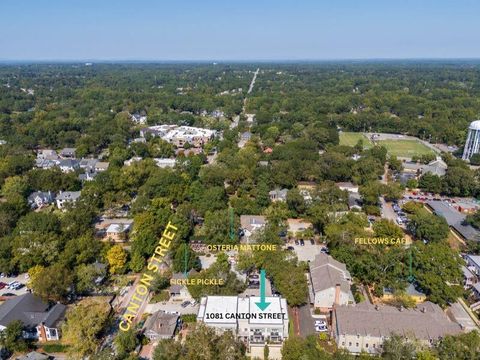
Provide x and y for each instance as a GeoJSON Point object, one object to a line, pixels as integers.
{"type": "Point", "coordinates": [306, 252]}
{"type": "Point", "coordinates": [22, 279]}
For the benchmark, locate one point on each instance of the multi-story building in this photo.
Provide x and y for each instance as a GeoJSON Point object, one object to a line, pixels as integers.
{"type": "Point", "coordinates": [364, 328]}
{"type": "Point", "coordinates": [472, 145]}
{"type": "Point", "coordinates": [330, 283]}
{"type": "Point", "coordinates": [242, 316]}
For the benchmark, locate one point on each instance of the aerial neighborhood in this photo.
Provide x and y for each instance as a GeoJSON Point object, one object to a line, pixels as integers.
{"type": "Point", "coordinates": [196, 219]}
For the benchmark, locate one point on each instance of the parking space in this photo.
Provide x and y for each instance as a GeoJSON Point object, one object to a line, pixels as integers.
{"type": "Point", "coordinates": [306, 252]}
{"type": "Point", "coordinates": [20, 279]}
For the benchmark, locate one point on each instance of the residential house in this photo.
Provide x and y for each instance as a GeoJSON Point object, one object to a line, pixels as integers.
{"type": "Point", "coordinates": [113, 229]}
{"type": "Point", "coordinates": [354, 201]}
{"type": "Point", "coordinates": [364, 327]}
{"type": "Point", "coordinates": [69, 165]}
{"type": "Point", "coordinates": [41, 321]}
{"type": "Point", "coordinates": [138, 118]}
{"type": "Point", "coordinates": [117, 232]}
{"type": "Point", "coordinates": [67, 153]}
{"type": "Point", "coordinates": [254, 327]}
{"type": "Point", "coordinates": [66, 197]}
{"type": "Point", "coordinates": [246, 136]}
{"type": "Point", "coordinates": [251, 224]}
{"type": "Point", "coordinates": [161, 325]}
{"type": "Point", "coordinates": [298, 226]}
{"type": "Point", "coordinates": [330, 283]}
{"type": "Point", "coordinates": [473, 263]}
{"type": "Point", "coordinates": [469, 278]}
{"type": "Point", "coordinates": [39, 199]}
{"type": "Point", "coordinates": [278, 195]}
{"type": "Point", "coordinates": [88, 164]}
{"type": "Point", "coordinates": [177, 291]}
{"type": "Point", "coordinates": [101, 166]}
{"type": "Point", "coordinates": [476, 291]}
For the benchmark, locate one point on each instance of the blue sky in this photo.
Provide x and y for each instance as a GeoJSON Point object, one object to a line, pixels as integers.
{"type": "Point", "coordinates": [238, 29]}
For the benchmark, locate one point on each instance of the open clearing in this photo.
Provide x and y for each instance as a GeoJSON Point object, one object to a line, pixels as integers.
{"type": "Point", "coordinates": [405, 148]}
{"type": "Point", "coordinates": [351, 139]}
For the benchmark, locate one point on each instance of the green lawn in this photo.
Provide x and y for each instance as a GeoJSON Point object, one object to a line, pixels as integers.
{"type": "Point", "coordinates": [351, 139]}
{"type": "Point", "coordinates": [405, 148]}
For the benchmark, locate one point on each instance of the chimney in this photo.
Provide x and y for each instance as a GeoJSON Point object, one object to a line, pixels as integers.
{"type": "Point", "coordinates": [337, 294]}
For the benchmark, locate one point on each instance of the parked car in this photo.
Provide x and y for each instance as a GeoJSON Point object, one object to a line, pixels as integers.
{"type": "Point", "coordinates": [321, 328]}
{"type": "Point", "coordinates": [290, 248]}
{"type": "Point", "coordinates": [302, 243]}
{"type": "Point", "coordinates": [2, 285]}
{"type": "Point", "coordinates": [185, 304]}
{"type": "Point", "coordinates": [324, 250]}
{"type": "Point", "coordinates": [296, 242]}
{"type": "Point", "coordinates": [320, 323]}
{"type": "Point", "coordinates": [312, 241]}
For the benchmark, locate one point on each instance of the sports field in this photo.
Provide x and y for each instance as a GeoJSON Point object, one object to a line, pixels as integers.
{"type": "Point", "coordinates": [405, 148]}
{"type": "Point", "coordinates": [351, 139]}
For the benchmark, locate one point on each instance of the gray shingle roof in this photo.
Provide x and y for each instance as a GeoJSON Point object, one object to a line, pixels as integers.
{"type": "Point", "coordinates": [161, 324]}
{"type": "Point", "coordinates": [326, 272]}
{"type": "Point", "coordinates": [31, 311]}
{"type": "Point", "coordinates": [427, 321]}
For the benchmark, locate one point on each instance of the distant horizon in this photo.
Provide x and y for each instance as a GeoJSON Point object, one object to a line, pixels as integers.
{"type": "Point", "coordinates": [230, 61]}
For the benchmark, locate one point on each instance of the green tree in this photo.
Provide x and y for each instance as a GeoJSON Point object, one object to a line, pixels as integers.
{"type": "Point", "coordinates": [117, 258]}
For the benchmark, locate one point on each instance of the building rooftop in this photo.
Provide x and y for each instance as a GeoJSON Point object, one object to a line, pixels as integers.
{"type": "Point", "coordinates": [68, 195]}
{"type": "Point", "coordinates": [162, 323]}
{"type": "Point", "coordinates": [31, 311]}
{"type": "Point", "coordinates": [234, 304]}
{"type": "Point", "coordinates": [252, 222]}
{"type": "Point", "coordinates": [454, 219]}
{"type": "Point", "coordinates": [326, 272]}
{"type": "Point", "coordinates": [425, 322]}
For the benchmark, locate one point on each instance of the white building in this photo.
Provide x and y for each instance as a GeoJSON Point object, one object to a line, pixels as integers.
{"type": "Point", "coordinates": [165, 162]}
{"type": "Point", "coordinates": [473, 263]}
{"type": "Point", "coordinates": [67, 197]}
{"type": "Point", "coordinates": [472, 145]}
{"type": "Point", "coordinates": [330, 283]}
{"type": "Point", "coordinates": [242, 316]}
{"type": "Point", "coordinates": [180, 135]}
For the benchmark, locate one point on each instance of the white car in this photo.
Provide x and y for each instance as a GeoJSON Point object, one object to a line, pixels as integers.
{"type": "Point", "coordinates": [321, 328]}
{"type": "Point", "coordinates": [320, 323]}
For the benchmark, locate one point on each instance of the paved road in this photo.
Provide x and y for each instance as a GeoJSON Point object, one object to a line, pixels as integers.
{"type": "Point", "coordinates": [252, 84]}
{"type": "Point", "coordinates": [387, 210]}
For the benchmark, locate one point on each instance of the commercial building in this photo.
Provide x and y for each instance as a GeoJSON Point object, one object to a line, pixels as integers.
{"type": "Point", "coordinates": [242, 316]}
{"type": "Point", "coordinates": [455, 220]}
{"type": "Point", "coordinates": [180, 135]}
{"type": "Point", "coordinates": [251, 224]}
{"type": "Point", "coordinates": [365, 327]}
{"type": "Point", "coordinates": [472, 145]}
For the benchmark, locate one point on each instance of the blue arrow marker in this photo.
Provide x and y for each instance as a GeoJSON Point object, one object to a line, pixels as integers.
{"type": "Point", "coordinates": [262, 305]}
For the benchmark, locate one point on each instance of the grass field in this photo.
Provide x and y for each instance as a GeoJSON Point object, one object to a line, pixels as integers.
{"type": "Point", "coordinates": [405, 148]}
{"type": "Point", "coordinates": [351, 139]}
